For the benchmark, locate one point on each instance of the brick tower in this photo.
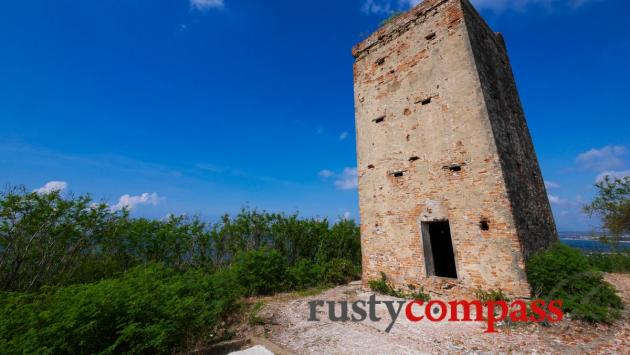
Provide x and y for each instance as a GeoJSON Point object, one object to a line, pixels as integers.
{"type": "Point", "coordinates": [450, 190]}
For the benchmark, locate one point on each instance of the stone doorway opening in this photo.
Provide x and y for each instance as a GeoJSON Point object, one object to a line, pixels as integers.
{"type": "Point", "coordinates": [439, 256]}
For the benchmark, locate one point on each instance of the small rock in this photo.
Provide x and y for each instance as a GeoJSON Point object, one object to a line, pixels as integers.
{"type": "Point", "coordinates": [256, 350]}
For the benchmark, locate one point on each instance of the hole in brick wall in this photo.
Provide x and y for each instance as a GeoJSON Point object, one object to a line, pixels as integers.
{"type": "Point", "coordinates": [426, 101]}
{"type": "Point", "coordinates": [430, 36]}
{"type": "Point", "coordinates": [380, 61]}
{"type": "Point", "coordinates": [413, 158]}
{"type": "Point", "coordinates": [398, 174]}
{"type": "Point", "coordinates": [408, 137]}
{"type": "Point", "coordinates": [392, 71]}
{"type": "Point", "coordinates": [484, 225]}
{"type": "Point", "coordinates": [454, 167]}
{"type": "Point", "coordinates": [379, 119]}
{"type": "Point", "coordinates": [407, 112]}
{"type": "Point", "coordinates": [370, 166]}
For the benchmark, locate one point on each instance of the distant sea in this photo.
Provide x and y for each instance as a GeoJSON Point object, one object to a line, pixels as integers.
{"type": "Point", "coordinates": [589, 243]}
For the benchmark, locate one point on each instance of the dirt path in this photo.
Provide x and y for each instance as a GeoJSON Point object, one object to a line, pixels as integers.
{"type": "Point", "coordinates": [288, 327]}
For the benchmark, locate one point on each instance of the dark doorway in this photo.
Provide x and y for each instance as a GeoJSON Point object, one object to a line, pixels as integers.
{"type": "Point", "coordinates": [438, 249]}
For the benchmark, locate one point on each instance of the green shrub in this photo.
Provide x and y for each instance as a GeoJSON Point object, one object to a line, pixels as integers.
{"type": "Point", "coordinates": [383, 286]}
{"type": "Point", "coordinates": [418, 294]}
{"type": "Point", "coordinates": [612, 205]}
{"type": "Point", "coordinates": [305, 274]}
{"type": "Point", "coordinates": [565, 273]}
{"type": "Point", "coordinates": [343, 241]}
{"type": "Point", "coordinates": [492, 295]}
{"type": "Point", "coordinates": [75, 282]}
{"type": "Point", "coordinates": [150, 309]}
{"type": "Point", "coordinates": [55, 240]}
{"type": "Point", "coordinates": [261, 272]}
{"type": "Point", "coordinates": [254, 318]}
{"type": "Point", "coordinates": [614, 262]}
{"type": "Point", "coordinates": [340, 271]}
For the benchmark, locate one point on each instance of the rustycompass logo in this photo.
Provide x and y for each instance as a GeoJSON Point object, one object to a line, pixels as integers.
{"type": "Point", "coordinates": [491, 312]}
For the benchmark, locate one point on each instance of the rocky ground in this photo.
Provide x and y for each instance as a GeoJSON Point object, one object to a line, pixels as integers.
{"type": "Point", "coordinates": [286, 326]}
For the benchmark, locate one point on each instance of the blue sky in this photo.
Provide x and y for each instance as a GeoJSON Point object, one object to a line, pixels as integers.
{"type": "Point", "coordinates": [204, 106]}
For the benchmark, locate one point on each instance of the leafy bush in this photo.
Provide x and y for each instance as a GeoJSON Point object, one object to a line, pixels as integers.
{"type": "Point", "coordinates": [254, 318]}
{"type": "Point", "coordinates": [262, 272]}
{"type": "Point", "coordinates": [340, 271]}
{"type": "Point", "coordinates": [150, 309]}
{"type": "Point", "coordinates": [43, 238]}
{"type": "Point", "coordinates": [383, 286]}
{"type": "Point", "coordinates": [614, 262]}
{"type": "Point", "coordinates": [305, 274]}
{"type": "Point", "coordinates": [54, 240]}
{"type": "Point", "coordinates": [612, 204]}
{"type": "Point", "coordinates": [342, 242]}
{"type": "Point", "coordinates": [417, 294]}
{"type": "Point", "coordinates": [565, 273]}
{"type": "Point", "coordinates": [492, 295]}
{"type": "Point", "coordinates": [84, 278]}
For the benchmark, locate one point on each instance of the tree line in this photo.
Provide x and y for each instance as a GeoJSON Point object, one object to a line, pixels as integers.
{"type": "Point", "coordinates": [55, 240]}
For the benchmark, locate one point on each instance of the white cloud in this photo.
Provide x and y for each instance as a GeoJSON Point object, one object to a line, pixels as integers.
{"type": "Point", "coordinates": [612, 174]}
{"type": "Point", "coordinates": [52, 186]}
{"type": "Point", "coordinates": [203, 5]}
{"type": "Point", "coordinates": [555, 200]}
{"type": "Point", "coordinates": [129, 202]}
{"type": "Point", "coordinates": [551, 185]}
{"type": "Point", "coordinates": [343, 136]}
{"type": "Point", "coordinates": [606, 158]}
{"type": "Point", "coordinates": [325, 173]}
{"type": "Point", "coordinates": [376, 7]}
{"type": "Point", "coordinates": [346, 215]}
{"type": "Point", "coordinates": [348, 180]}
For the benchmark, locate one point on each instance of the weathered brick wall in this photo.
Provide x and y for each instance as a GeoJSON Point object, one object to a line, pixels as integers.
{"type": "Point", "coordinates": [420, 108]}
{"type": "Point", "coordinates": [525, 184]}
